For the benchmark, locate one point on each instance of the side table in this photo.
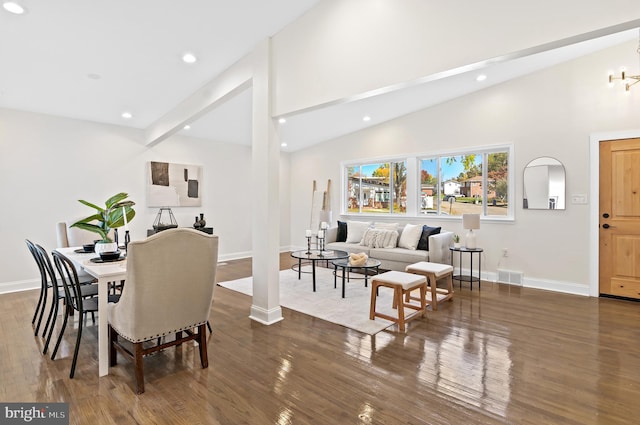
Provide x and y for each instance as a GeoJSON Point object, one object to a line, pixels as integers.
{"type": "Point", "coordinates": [470, 277]}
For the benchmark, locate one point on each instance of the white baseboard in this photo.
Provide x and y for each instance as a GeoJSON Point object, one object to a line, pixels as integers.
{"type": "Point", "coordinates": [547, 285]}
{"type": "Point", "coordinates": [21, 285]}
{"type": "Point", "coordinates": [266, 317]}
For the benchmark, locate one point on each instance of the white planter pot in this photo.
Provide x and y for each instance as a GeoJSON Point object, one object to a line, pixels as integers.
{"type": "Point", "coordinates": [456, 244]}
{"type": "Point", "coordinates": [105, 247]}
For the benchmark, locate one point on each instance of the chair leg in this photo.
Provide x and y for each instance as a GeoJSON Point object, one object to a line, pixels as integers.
{"type": "Point", "coordinates": [42, 310]}
{"type": "Point", "coordinates": [113, 338]}
{"type": "Point", "coordinates": [35, 313]}
{"type": "Point", "coordinates": [209, 326]}
{"type": "Point", "coordinates": [54, 306]}
{"type": "Point", "coordinates": [62, 329]}
{"type": "Point", "coordinates": [75, 351]}
{"type": "Point", "coordinates": [202, 343]}
{"type": "Point", "coordinates": [47, 329]}
{"type": "Point", "coordinates": [138, 366]}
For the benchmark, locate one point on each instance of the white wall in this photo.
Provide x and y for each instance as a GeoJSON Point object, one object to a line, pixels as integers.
{"type": "Point", "coordinates": [334, 51]}
{"type": "Point", "coordinates": [48, 163]}
{"type": "Point", "coordinates": [549, 113]}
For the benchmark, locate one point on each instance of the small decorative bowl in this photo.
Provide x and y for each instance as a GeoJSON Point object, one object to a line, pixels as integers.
{"type": "Point", "coordinates": [88, 247]}
{"type": "Point", "coordinates": [110, 255]}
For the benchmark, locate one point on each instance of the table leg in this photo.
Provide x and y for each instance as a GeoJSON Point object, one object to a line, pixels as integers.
{"type": "Point", "coordinates": [343, 273]}
{"type": "Point", "coordinates": [313, 268]}
{"type": "Point", "coordinates": [299, 267]}
{"type": "Point", "coordinates": [471, 272]}
{"type": "Point", "coordinates": [479, 270]}
{"type": "Point", "coordinates": [460, 268]}
{"type": "Point", "coordinates": [103, 338]}
{"type": "Point", "coordinates": [335, 276]}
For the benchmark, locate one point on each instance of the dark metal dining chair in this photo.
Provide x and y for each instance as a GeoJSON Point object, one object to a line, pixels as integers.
{"type": "Point", "coordinates": [74, 300]}
{"type": "Point", "coordinates": [44, 288]}
{"type": "Point", "coordinates": [58, 294]}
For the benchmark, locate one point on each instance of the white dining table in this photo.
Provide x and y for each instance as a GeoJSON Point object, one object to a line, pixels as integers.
{"type": "Point", "coordinates": [105, 273]}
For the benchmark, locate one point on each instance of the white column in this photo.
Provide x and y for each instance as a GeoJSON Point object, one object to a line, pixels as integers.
{"type": "Point", "coordinates": [265, 192]}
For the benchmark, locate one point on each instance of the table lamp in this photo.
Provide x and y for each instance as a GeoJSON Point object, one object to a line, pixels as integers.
{"type": "Point", "coordinates": [470, 222]}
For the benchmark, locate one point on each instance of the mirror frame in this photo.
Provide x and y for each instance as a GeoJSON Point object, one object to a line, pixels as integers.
{"type": "Point", "coordinates": [555, 197]}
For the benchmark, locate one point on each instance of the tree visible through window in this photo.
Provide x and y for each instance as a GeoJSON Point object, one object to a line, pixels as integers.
{"type": "Point", "coordinates": [475, 182]}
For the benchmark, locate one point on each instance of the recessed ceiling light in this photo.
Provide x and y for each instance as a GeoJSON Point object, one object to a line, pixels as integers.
{"type": "Point", "coordinates": [13, 7]}
{"type": "Point", "coordinates": [366, 118]}
{"type": "Point", "coordinates": [283, 144]}
{"type": "Point", "coordinates": [481, 77]}
{"type": "Point", "coordinates": [282, 120]}
{"type": "Point", "coordinates": [187, 127]}
{"type": "Point", "coordinates": [127, 115]}
{"type": "Point", "coordinates": [189, 58]}
{"type": "Point", "coordinates": [94, 76]}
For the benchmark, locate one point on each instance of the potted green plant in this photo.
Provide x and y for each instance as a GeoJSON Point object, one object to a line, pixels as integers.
{"type": "Point", "coordinates": [110, 217]}
{"type": "Point", "coordinates": [456, 241]}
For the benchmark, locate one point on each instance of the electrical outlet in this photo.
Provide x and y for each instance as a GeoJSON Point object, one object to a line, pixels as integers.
{"type": "Point", "coordinates": [505, 252]}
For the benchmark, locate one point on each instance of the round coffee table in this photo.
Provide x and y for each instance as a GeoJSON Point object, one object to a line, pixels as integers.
{"type": "Point", "coordinates": [371, 264]}
{"type": "Point", "coordinates": [315, 255]}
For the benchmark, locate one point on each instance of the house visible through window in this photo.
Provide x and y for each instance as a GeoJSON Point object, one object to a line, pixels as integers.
{"type": "Point", "coordinates": [448, 185]}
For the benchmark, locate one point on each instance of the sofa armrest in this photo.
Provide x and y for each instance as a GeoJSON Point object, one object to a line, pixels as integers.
{"type": "Point", "coordinates": [331, 234]}
{"type": "Point", "coordinates": [439, 247]}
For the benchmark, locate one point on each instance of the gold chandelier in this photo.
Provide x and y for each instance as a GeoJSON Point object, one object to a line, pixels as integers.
{"type": "Point", "coordinates": [627, 80]}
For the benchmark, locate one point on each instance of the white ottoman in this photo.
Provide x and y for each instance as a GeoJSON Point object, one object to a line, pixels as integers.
{"type": "Point", "coordinates": [434, 272]}
{"type": "Point", "coordinates": [402, 284]}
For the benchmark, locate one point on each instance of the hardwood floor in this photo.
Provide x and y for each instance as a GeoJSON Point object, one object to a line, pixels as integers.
{"type": "Point", "coordinates": [501, 355]}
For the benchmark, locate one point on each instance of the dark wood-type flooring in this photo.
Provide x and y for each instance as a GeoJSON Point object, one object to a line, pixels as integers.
{"type": "Point", "coordinates": [501, 355]}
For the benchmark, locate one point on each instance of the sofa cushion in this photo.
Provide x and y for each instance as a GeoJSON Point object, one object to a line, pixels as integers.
{"type": "Point", "coordinates": [354, 248]}
{"type": "Point", "coordinates": [380, 238]}
{"type": "Point", "coordinates": [404, 255]}
{"type": "Point", "coordinates": [410, 236]}
{"type": "Point", "coordinates": [423, 243]}
{"type": "Point", "coordinates": [355, 230]}
{"type": "Point", "coordinates": [342, 231]}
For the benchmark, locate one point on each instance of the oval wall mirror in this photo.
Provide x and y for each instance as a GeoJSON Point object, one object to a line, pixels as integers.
{"type": "Point", "coordinates": [544, 185]}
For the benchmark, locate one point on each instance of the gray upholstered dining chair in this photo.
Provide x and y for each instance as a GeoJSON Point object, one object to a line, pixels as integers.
{"type": "Point", "coordinates": [72, 236]}
{"type": "Point", "coordinates": [170, 280]}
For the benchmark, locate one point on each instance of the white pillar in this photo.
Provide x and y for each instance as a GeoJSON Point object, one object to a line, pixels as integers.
{"type": "Point", "coordinates": [266, 208]}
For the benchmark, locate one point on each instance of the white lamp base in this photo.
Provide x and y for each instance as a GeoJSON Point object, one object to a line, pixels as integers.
{"type": "Point", "coordinates": [470, 241]}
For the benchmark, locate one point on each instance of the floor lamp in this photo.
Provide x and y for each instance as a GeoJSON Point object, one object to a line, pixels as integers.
{"type": "Point", "coordinates": [470, 222]}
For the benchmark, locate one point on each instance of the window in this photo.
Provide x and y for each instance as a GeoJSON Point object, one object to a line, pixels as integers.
{"type": "Point", "coordinates": [377, 188]}
{"type": "Point", "coordinates": [447, 184]}
{"type": "Point", "coordinates": [469, 183]}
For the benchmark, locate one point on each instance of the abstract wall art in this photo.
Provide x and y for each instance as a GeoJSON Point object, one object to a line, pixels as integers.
{"type": "Point", "coordinates": [174, 185]}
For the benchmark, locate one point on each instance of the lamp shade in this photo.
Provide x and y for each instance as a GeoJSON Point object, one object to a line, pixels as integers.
{"type": "Point", "coordinates": [470, 221]}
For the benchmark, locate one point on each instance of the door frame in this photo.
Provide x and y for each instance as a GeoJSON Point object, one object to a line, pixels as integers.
{"type": "Point", "coordinates": [594, 204]}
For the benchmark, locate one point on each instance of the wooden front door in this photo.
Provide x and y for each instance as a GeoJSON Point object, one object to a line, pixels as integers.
{"type": "Point", "coordinates": [620, 218]}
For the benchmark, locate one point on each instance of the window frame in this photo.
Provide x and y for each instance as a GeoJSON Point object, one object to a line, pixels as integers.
{"type": "Point", "coordinates": [413, 182]}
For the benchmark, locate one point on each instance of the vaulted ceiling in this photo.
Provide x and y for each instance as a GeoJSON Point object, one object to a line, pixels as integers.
{"type": "Point", "coordinates": [97, 60]}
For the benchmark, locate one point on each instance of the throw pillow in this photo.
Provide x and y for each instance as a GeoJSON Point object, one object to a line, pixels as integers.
{"type": "Point", "coordinates": [410, 236]}
{"type": "Point", "coordinates": [355, 230]}
{"type": "Point", "coordinates": [423, 243]}
{"type": "Point", "coordinates": [387, 239]}
{"type": "Point", "coordinates": [368, 238]}
{"type": "Point", "coordinates": [342, 231]}
{"type": "Point", "coordinates": [379, 238]}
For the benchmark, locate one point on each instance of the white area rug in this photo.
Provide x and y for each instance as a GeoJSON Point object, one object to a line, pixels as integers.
{"type": "Point", "coordinates": [327, 303]}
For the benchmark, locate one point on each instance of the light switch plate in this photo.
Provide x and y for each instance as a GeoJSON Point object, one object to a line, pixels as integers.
{"type": "Point", "coordinates": [579, 198]}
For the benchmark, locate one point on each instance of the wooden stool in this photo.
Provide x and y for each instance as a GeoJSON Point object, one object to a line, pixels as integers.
{"type": "Point", "coordinates": [433, 272]}
{"type": "Point", "coordinates": [401, 283]}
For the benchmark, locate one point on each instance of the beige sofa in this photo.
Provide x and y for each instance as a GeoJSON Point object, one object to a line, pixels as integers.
{"type": "Point", "coordinates": [398, 258]}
